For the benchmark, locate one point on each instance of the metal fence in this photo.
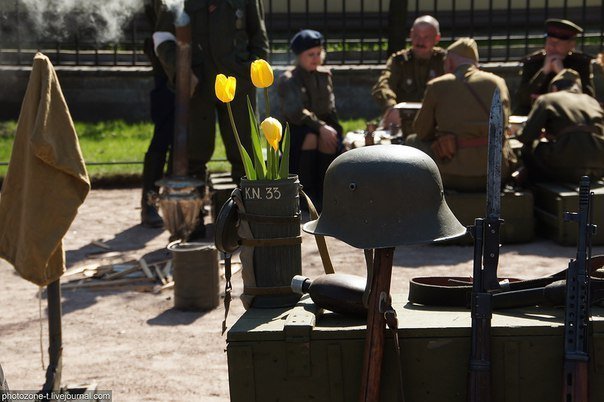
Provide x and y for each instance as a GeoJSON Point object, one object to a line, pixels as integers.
{"type": "Point", "coordinates": [356, 31]}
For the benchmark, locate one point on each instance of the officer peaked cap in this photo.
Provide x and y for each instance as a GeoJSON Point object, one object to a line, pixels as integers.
{"type": "Point", "coordinates": [306, 39]}
{"type": "Point", "coordinates": [561, 29]}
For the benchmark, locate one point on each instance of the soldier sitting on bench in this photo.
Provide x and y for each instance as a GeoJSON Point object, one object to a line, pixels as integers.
{"type": "Point", "coordinates": [564, 134]}
{"type": "Point", "coordinates": [452, 125]}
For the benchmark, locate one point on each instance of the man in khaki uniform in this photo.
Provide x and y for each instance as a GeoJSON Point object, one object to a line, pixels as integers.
{"type": "Point", "coordinates": [452, 125]}
{"type": "Point", "coordinates": [408, 70]}
{"type": "Point", "coordinates": [540, 67]}
{"type": "Point", "coordinates": [227, 36]}
{"type": "Point", "coordinates": [564, 133]}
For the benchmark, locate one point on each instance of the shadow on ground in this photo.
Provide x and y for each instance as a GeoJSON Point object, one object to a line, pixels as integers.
{"type": "Point", "coordinates": [131, 239]}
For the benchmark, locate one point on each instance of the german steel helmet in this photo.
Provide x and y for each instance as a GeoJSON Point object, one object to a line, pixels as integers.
{"type": "Point", "coordinates": [384, 196]}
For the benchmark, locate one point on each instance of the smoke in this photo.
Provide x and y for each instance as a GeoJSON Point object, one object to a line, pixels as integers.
{"type": "Point", "coordinates": [178, 8]}
{"type": "Point", "coordinates": [101, 21]}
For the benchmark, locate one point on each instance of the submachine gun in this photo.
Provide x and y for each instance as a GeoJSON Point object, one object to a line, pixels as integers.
{"type": "Point", "coordinates": [576, 313]}
{"type": "Point", "coordinates": [486, 258]}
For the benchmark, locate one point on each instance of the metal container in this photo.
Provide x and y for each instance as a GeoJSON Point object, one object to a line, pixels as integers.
{"type": "Point", "coordinates": [195, 267]}
{"type": "Point", "coordinates": [275, 206]}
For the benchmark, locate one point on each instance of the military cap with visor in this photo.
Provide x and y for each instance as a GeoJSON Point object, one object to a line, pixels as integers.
{"type": "Point", "coordinates": [306, 39]}
{"type": "Point", "coordinates": [561, 29]}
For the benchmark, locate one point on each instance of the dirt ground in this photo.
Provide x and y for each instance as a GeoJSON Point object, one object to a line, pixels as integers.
{"type": "Point", "coordinates": [141, 348]}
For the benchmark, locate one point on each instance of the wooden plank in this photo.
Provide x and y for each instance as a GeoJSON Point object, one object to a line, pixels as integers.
{"type": "Point", "coordinates": [99, 284]}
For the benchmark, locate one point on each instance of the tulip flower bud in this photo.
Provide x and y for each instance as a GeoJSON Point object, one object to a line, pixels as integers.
{"type": "Point", "coordinates": [225, 88]}
{"type": "Point", "coordinates": [272, 131]}
{"type": "Point", "coordinates": [262, 74]}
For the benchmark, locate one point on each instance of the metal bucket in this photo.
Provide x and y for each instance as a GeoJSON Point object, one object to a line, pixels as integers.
{"type": "Point", "coordinates": [195, 267]}
{"type": "Point", "coordinates": [276, 206]}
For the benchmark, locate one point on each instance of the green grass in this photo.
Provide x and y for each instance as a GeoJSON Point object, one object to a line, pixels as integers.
{"type": "Point", "coordinates": [118, 141]}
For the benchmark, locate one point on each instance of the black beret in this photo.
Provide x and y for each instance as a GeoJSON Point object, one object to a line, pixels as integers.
{"type": "Point", "coordinates": [306, 39]}
{"type": "Point", "coordinates": [561, 29]}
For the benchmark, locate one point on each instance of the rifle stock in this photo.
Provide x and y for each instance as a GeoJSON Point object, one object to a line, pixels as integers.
{"type": "Point", "coordinates": [575, 384]}
{"type": "Point", "coordinates": [376, 325]}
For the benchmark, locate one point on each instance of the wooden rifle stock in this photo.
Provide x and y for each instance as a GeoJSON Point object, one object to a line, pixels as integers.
{"type": "Point", "coordinates": [376, 325]}
{"type": "Point", "coordinates": [479, 374]}
{"type": "Point", "coordinates": [575, 384]}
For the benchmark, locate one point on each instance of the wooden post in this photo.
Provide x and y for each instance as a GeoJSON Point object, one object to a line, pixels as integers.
{"type": "Point", "coordinates": [397, 29]}
{"type": "Point", "coordinates": [376, 326]}
{"type": "Point", "coordinates": [55, 347]}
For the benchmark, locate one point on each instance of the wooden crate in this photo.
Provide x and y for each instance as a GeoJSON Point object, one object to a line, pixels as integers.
{"type": "Point", "coordinates": [516, 211]}
{"type": "Point", "coordinates": [552, 200]}
{"type": "Point", "coordinates": [220, 186]}
{"type": "Point", "coordinates": [300, 355]}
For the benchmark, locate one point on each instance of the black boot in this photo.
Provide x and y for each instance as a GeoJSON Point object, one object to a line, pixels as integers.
{"type": "Point", "coordinates": [153, 170]}
{"type": "Point", "coordinates": [308, 170]}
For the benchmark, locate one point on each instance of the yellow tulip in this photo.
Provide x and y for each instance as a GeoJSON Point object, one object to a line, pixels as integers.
{"type": "Point", "coordinates": [225, 88]}
{"type": "Point", "coordinates": [262, 74]}
{"type": "Point", "coordinates": [272, 131]}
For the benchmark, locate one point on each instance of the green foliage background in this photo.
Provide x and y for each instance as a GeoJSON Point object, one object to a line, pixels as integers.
{"type": "Point", "coordinates": [107, 145]}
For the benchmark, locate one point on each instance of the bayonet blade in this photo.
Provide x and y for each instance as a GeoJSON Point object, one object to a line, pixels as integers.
{"type": "Point", "coordinates": [495, 144]}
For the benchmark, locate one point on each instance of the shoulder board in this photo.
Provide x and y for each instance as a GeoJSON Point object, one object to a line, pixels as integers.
{"type": "Point", "coordinates": [402, 55]}
{"type": "Point", "coordinates": [539, 55]}
{"type": "Point", "coordinates": [438, 51]}
{"type": "Point", "coordinates": [576, 55]}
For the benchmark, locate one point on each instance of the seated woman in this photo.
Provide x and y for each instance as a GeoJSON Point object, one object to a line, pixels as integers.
{"type": "Point", "coordinates": [308, 105]}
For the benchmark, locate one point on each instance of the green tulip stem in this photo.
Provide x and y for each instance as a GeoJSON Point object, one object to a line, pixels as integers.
{"type": "Point", "coordinates": [239, 145]}
{"type": "Point", "coordinates": [267, 102]}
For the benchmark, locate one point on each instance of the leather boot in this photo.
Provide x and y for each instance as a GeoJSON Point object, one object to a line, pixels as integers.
{"type": "Point", "coordinates": [153, 170]}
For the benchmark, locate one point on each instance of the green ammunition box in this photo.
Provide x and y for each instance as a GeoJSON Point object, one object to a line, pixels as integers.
{"type": "Point", "coordinates": [220, 187]}
{"type": "Point", "coordinates": [301, 355]}
{"type": "Point", "coordinates": [516, 212]}
{"type": "Point", "coordinates": [552, 200]}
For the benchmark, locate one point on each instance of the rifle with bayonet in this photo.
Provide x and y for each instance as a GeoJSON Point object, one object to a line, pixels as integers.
{"type": "Point", "coordinates": [576, 313]}
{"type": "Point", "coordinates": [486, 259]}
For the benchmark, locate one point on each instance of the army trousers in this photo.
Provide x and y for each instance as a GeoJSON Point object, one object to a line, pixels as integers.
{"type": "Point", "coordinates": [566, 159]}
{"type": "Point", "coordinates": [451, 181]}
{"type": "Point", "coordinates": [204, 110]}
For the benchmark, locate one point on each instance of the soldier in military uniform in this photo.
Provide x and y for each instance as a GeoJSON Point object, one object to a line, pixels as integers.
{"type": "Point", "coordinates": [227, 36]}
{"type": "Point", "coordinates": [162, 116]}
{"type": "Point", "coordinates": [308, 104]}
{"type": "Point", "coordinates": [573, 142]}
{"type": "Point", "coordinates": [452, 125]}
{"type": "Point", "coordinates": [540, 67]}
{"type": "Point", "coordinates": [408, 70]}
{"type": "Point", "coordinates": [598, 67]}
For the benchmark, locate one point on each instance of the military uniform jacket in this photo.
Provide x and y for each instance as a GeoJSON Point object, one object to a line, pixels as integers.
{"type": "Point", "coordinates": [227, 35]}
{"type": "Point", "coordinates": [307, 98]}
{"type": "Point", "coordinates": [405, 77]}
{"type": "Point", "coordinates": [534, 81]}
{"type": "Point", "coordinates": [450, 107]}
{"type": "Point", "coordinates": [574, 122]}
